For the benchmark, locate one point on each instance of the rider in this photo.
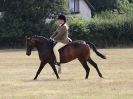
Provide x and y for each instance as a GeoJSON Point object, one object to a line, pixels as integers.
{"type": "Point", "coordinates": [60, 36]}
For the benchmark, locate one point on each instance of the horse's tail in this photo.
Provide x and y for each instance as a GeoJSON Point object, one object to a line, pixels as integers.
{"type": "Point", "coordinates": [95, 50]}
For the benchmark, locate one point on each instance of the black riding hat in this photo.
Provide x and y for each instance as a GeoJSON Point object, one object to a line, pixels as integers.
{"type": "Point", "coordinates": [62, 17]}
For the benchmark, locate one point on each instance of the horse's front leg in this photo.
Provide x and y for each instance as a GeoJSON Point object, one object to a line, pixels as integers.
{"type": "Point", "coordinates": [42, 64]}
{"type": "Point", "coordinates": [54, 69]}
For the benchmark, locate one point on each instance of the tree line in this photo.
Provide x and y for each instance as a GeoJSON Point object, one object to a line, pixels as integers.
{"type": "Point", "coordinates": [22, 18]}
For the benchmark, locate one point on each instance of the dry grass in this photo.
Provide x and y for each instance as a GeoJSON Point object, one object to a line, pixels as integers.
{"type": "Point", "coordinates": [17, 71]}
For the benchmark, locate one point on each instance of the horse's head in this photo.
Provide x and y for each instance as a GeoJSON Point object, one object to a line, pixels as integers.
{"type": "Point", "coordinates": [30, 44]}
{"type": "Point", "coordinates": [34, 42]}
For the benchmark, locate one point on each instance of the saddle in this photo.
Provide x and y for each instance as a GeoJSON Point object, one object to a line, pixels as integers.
{"type": "Point", "coordinates": [53, 43]}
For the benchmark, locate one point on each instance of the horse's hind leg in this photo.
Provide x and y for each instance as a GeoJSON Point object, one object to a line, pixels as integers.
{"type": "Point", "coordinates": [87, 69]}
{"type": "Point", "coordinates": [95, 66]}
{"type": "Point", "coordinates": [42, 64]}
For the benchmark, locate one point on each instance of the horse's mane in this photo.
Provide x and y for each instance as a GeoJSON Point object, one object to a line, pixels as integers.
{"type": "Point", "coordinates": [42, 38]}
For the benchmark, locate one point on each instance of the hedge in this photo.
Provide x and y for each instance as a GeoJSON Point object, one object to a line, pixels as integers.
{"type": "Point", "coordinates": [117, 31]}
{"type": "Point", "coordinates": [105, 30]}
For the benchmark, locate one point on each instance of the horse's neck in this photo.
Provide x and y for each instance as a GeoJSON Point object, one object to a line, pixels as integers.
{"type": "Point", "coordinates": [44, 48]}
{"type": "Point", "coordinates": [40, 49]}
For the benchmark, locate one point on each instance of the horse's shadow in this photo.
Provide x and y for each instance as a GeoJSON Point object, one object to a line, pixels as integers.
{"type": "Point", "coordinates": [48, 80]}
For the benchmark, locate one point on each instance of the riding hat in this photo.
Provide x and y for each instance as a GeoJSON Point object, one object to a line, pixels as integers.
{"type": "Point", "coordinates": [62, 17]}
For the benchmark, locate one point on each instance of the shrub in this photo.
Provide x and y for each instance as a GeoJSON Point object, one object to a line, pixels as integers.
{"type": "Point", "coordinates": [78, 29]}
{"type": "Point", "coordinates": [102, 5]}
{"type": "Point", "coordinates": [104, 32]}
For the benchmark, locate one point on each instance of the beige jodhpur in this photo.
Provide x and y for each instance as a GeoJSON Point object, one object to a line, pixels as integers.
{"type": "Point", "coordinates": [56, 48]}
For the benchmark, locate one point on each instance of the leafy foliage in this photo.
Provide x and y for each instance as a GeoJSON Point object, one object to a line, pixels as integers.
{"type": "Point", "coordinates": [102, 5]}
{"type": "Point", "coordinates": [120, 5]}
{"type": "Point", "coordinates": [22, 18]}
{"type": "Point", "coordinates": [104, 31]}
{"type": "Point", "coordinates": [27, 17]}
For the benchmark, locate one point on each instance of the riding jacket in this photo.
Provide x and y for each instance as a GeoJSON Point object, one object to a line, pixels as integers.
{"type": "Point", "coordinates": [61, 34]}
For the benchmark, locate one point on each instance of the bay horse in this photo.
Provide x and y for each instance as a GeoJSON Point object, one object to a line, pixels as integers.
{"type": "Point", "coordinates": [75, 50]}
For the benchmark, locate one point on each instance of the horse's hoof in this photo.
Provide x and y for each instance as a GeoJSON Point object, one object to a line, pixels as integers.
{"type": "Point", "coordinates": [35, 79]}
{"type": "Point", "coordinates": [86, 78]}
{"type": "Point", "coordinates": [58, 77]}
{"type": "Point", "coordinates": [102, 77]}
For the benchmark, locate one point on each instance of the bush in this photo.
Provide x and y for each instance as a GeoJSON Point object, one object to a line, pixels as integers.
{"type": "Point", "coordinates": [123, 6]}
{"type": "Point", "coordinates": [104, 32]}
{"type": "Point", "coordinates": [102, 5]}
{"type": "Point", "coordinates": [131, 1]}
{"type": "Point", "coordinates": [78, 29]}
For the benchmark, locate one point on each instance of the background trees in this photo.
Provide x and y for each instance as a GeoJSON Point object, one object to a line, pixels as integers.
{"type": "Point", "coordinates": [26, 17]}
{"type": "Point", "coordinates": [101, 5]}
{"type": "Point", "coordinates": [111, 25]}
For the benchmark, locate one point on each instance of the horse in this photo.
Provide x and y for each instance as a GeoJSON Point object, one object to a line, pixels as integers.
{"type": "Point", "coordinates": [74, 50]}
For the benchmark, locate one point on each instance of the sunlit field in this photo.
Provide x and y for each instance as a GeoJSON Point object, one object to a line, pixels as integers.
{"type": "Point", "coordinates": [18, 70]}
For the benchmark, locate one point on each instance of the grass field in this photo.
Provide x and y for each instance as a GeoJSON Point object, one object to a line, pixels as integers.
{"type": "Point", "coordinates": [17, 71]}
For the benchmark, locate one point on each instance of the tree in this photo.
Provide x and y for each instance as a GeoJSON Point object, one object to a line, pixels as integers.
{"type": "Point", "coordinates": [27, 17]}
{"type": "Point", "coordinates": [102, 5]}
{"type": "Point", "coordinates": [122, 6]}
{"type": "Point", "coordinates": [131, 1]}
